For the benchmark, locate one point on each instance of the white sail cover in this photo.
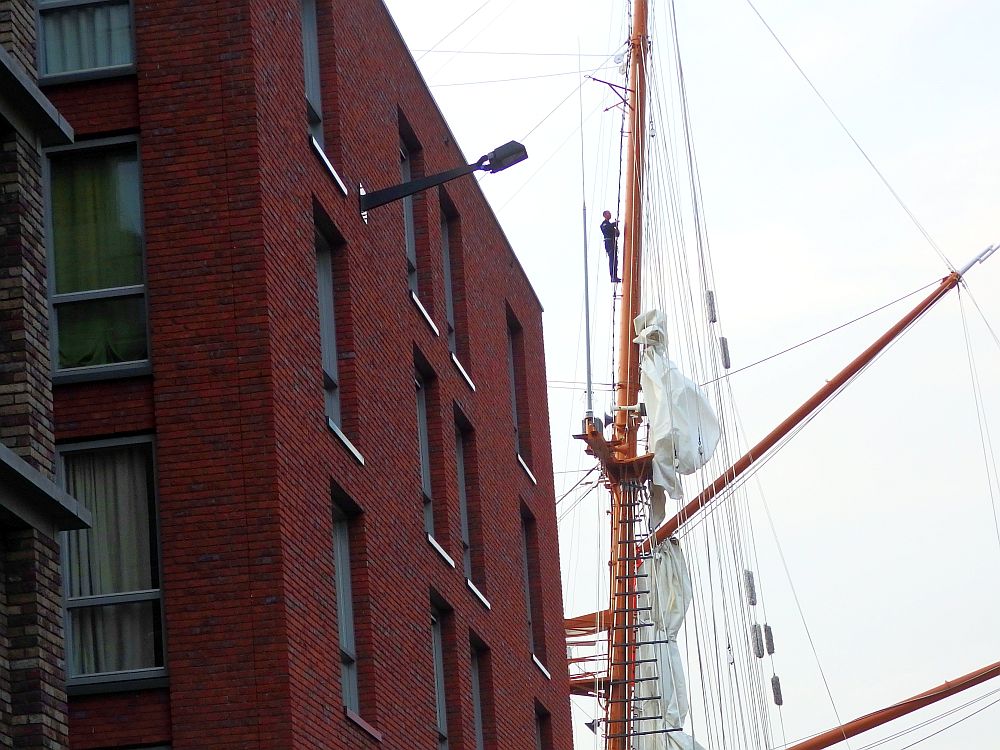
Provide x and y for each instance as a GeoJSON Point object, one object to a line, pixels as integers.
{"type": "Point", "coordinates": [669, 597]}
{"type": "Point", "coordinates": [683, 430]}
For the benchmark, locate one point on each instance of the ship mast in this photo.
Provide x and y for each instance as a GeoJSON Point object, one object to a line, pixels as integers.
{"type": "Point", "coordinates": [627, 386]}
{"type": "Point", "coordinates": [626, 472]}
{"type": "Point", "coordinates": [624, 484]}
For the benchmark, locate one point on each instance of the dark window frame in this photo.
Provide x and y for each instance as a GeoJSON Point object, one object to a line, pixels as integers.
{"type": "Point", "coordinates": [482, 694]}
{"type": "Point", "coordinates": [438, 615]}
{"type": "Point", "coordinates": [531, 570]}
{"type": "Point", "coordinates": [48, 7]}
{"type": "Point", "coordinates": [134, 678]}
{"type": "Point", "coordinates": [518, 378]}
{"type": "Point", "coordinates": [327, 307]}
{"type": "Point", "coordinates": [312, 69]}
{"type": "Point", "coordinates": [140, 290]}
{"type": "Point", "coordinates": [422, 384]}
{"type": "Point", "coordinates": [469, 501]}
{"type": "Point", "coordinates": [406, 173]}
{"type": "Point", "coordinates": [344, 539]}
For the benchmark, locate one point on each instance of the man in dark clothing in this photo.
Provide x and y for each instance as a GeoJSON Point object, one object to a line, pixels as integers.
{"type": "Point", "coordinates": [610, 231]}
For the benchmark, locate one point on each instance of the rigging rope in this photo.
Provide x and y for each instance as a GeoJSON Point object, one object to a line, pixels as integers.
{"type": "Point", "coordinates": [867, 158]}
{"type": "Point", "coordinates": [984, 432]}
{"type": "Point", "coordinates": [825, 333]}
{"type": "Point", "coordinates": [456, 28]}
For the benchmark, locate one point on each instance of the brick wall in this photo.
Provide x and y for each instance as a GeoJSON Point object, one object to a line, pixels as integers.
{"type": "Point", "coordinates": [25, 387]}
{"type": "Point", "coordinates": [32, 662]}
{"type": "Point", "coordinates": [34, 634]}
{"type": "Point", "coordinates": [246, 462]}
{"type": "Point", "coordinates": [17, 31]}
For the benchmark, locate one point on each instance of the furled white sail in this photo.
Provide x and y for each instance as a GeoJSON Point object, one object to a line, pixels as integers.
{"type": "Point", "coordinates": [683, 430]}
{"type": "Point", "coordinates": [669, 597]}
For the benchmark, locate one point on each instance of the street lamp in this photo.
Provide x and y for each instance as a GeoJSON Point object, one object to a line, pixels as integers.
{"type": "Point", "coordinates": [495, 161]}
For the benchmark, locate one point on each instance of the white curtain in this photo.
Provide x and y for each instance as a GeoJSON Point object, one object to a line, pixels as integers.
{"type": "Point", "coordinates": [86, 37]}
{"type": "Point", "coordinates": [114, 556]}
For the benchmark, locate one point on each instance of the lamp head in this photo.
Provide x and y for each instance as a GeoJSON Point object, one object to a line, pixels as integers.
{"type": "Point", "coordinates": [503, 156]}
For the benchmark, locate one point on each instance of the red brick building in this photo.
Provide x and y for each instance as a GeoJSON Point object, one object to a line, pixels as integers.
{"type": "Point", "coordinates": [314, 445]}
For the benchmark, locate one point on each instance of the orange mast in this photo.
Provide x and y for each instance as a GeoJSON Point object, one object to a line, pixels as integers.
{"type": "Point", "coordinates": [622, 633]}
{"type": "Point", "coordinates": [628, 357]}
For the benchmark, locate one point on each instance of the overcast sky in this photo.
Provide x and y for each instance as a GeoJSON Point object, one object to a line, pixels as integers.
{"type": "Point", "coordinates": [882, 505]}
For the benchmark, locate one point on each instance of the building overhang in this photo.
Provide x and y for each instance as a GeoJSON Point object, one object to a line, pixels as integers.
{"type": "Point", "coordinates": [28, 498]}
{"type": "Point", "coordinates": [26, 108]}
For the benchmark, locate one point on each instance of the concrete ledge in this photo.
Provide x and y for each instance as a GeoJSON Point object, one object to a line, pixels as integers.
{"type": "Point", "coordinates": [24, 105]}
{"type": "Point", "coordinates": [35, 500]}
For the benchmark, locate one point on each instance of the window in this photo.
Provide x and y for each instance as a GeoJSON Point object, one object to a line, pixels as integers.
{"type": "Point", "coordinates": [111, 571]}
{"type": "Point", "coordinates": [532, 589]}
{"type": "Point", "coordinates": [97, 283]}
{"type": "Point", "coordinates": [477, 699]}
{"type": "Point", "coordinates": [468, 500]}
{"type": "Point", "coordinates": [328, 328]}
{"type": "Point", "coordinates": [543, 728]}
{"type": "Point", "coordinates": [310, 64]}
{"type": "Point", "coordinates": [482, 694]}
{"type": "Point", "coordinates": [406, 173]}
{"type": "Point", "coordinates": [345, 608]}
{"type": "Point", "coordinates": [440, 700]}
{"type": "Point", "coordinates": [424, 439]}
{"type": "Point", "coordinates": [449, 241]}
{"type": "Point", "coordinates": [82, 35]}
{"type": "Point", "coordinates": [517, 376]}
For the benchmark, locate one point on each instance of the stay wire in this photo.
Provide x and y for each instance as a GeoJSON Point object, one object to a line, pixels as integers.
{"type": "Point", "coordinates": [901, 732]}
{"type": "Point", "coordinates": [511, 80]}
{"type": "Point", "coordinates": [562, 102]}
{"type": "Point", "coordinates": [984, 433]}
{"type": "Point", "coordinates": [954, 723]}
{"type": "Point", "coordinates": [576, 502]}
{"type": "Point", "coordinates": [578, 483]}
{"type": "Point", "coordinates": [461, 23]}
{"type": "Point", "coordinates": [867, 158]}
{"type": "Point", "coordinates": [982, 315]}
{"type": "Point", "coordinates": [508, 52]}
{"type": "Point", "coordinates": [821, 335]}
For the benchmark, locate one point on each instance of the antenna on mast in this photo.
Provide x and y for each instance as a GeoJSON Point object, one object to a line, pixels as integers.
{"type": "Point", "coordinates": [589, 416]}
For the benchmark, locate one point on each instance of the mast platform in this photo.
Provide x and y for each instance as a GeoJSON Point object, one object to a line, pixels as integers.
{"type": "Point", "coordinates": [618, 469]}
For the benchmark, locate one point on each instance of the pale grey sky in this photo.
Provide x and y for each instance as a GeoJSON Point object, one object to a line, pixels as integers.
{"type": "Point", "coordinates": [882, 505]}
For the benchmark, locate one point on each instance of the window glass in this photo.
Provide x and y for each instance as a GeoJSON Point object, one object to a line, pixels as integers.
{"type": "Point", "coordinates": [449, 291]}
{"type": "Point", "coordinates": [310, 66]}
{"type": "Point", "coordinates": [529, 605]}
{"type": "Point", "coordinates": [85, 37]}
{"type": "Point", "coordinates": [100, 332]}
{"type": "Point", "coordinates": [114, 638]}
{"type": "Point", "coordinates": [477, 697]}
{"type": "Point", "coordinates": [423, 438]}
{"type": "Point", "coordinates": [409, 220]}
{"type": "Point", "coordinates": [345, 609]}
{"type": "Point", "coordinates": [517, 375]}
{"type": "Point", "coordinates": [441, 706]}
{"type": "Point", "coordinates": [463, 501]}
{"type": "Point", "coordinates": [327, 327]}
{"type": "Point", "coordinates": [96, 226]}
{"type": "Point", "coordinates": [97, 284]}
{"type": "Point", "coordinates": [111, 570]}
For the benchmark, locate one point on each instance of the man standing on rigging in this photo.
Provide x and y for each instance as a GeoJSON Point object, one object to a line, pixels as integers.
{"type": "Point", "coordinates": [610, 231]}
